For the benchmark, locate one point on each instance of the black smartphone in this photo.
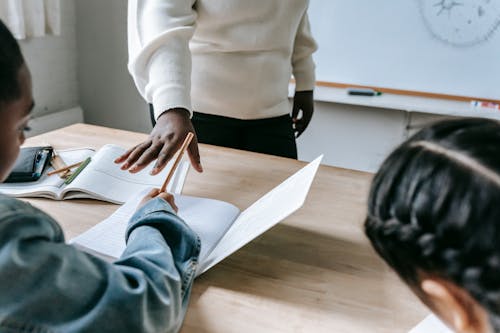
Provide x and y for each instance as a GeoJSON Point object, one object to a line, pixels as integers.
{"type": "Point", "coordinates": [30, 164]}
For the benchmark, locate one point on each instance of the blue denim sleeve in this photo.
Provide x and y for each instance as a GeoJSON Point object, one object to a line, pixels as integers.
{"type": "Point", "coordinates": [49, 286]}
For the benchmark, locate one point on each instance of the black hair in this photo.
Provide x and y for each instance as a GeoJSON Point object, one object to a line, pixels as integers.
{"type": "Point", "coordinates": [11, 61]}
{"type": "Point", "coordinates": [434, 207]}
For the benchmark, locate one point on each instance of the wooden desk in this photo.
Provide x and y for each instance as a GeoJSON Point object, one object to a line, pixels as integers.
{"type": "Point", "coordinates": [314, 272]}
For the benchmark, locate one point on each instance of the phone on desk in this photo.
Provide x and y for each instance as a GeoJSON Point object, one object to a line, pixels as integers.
{"type": "Point", "coordinates": [30, 164]}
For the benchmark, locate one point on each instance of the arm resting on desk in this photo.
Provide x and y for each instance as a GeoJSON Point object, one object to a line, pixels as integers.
{"type": "Point", "coordinates": [48, 285]}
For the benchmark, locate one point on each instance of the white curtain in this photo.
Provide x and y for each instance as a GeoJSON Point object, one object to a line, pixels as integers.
{"type": "Point", "coordinates": [31, 18]}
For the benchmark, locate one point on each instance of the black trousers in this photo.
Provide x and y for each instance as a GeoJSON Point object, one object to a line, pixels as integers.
{"type": "Point", "coordinates": [274, 136]}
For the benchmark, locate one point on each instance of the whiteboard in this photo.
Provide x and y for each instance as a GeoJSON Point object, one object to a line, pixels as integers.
{"type": "Point", "coordinates": [436, 46]}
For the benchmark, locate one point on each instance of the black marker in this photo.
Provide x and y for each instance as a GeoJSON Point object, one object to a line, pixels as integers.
{"type": "Point", "coordinates": [363, 92]}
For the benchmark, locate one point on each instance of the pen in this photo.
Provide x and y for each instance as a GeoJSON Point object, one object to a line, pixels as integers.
{"type": "Point", "coordinates": [363, 92]}
{"type": "Point", "coordinates": [184, 146]}
{"type": "Point", "coordinates": [77, 171]}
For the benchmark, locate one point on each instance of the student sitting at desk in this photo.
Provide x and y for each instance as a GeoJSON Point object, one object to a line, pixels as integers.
{"type": "Point", "coordinates": [48, 286]}
{"type": "Point", "coordinates": [433, 215]}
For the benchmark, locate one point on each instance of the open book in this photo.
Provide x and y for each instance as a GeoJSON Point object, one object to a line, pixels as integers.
{"type": "Point", "coordinates": [222, 228]}
{"type": "Point", "coordinates": [101, 179]}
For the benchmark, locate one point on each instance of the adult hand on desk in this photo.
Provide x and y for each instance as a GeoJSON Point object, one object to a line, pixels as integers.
{"type": "Point", "coordinates": [165, 139]}
{"type": "Point", "coordinates": [303, 100]}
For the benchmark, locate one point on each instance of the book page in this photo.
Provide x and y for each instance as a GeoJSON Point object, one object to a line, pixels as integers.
{"type": "Point", "coordinates": [209, 218]}
{"type": "Point", "coordinates": [103, 179]}
{"type": "Point", "coordinates": [47, 186]}
{"type": "Point", "coordinates": [273, 207]}
{"type": "Point", "coordinates": [431, 324]}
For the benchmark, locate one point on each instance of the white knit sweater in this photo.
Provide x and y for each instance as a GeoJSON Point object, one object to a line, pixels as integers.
{"type": "Point", "coordinates": [232, 58]}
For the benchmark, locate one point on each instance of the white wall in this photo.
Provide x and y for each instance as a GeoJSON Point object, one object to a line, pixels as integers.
{"type": "Point", "coordinates": [358, 137]}
{"type": "Point", "coordinates": [52, 61]}
{"type": "Point", "coordinates": [352, 137]}
{"type": "Point", "coordinates": [107, 92]}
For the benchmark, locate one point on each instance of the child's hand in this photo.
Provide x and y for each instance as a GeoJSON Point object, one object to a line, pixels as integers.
{"type": "Point", "coordinates": [154, 193]}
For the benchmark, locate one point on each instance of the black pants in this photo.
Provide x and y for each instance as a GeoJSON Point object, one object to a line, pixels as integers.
{"type": "Point", "coordinates": [274, 136]}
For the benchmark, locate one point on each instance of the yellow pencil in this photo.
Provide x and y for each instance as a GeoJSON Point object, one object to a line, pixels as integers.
{"type": "Point", "coordinates": [53, 172]}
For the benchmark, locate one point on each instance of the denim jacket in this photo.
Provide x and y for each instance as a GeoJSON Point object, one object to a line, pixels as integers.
{"type": "Point", "coordinates": [49, 286]}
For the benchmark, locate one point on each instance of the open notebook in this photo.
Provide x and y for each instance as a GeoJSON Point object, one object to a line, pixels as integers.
{"type": "Point", "coordinates": [431, 324]}
{"type": "Point", "coordinates": [222, 228]}
{"type": "Point", "coordinates": [101, 179]}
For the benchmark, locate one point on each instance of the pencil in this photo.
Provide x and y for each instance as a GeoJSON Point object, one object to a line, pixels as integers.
{"type": "Point", "coordinates": [58, 163]}
{"type": "Point", "coordinates": [66, 168]}
{"type": "Point", "coordinates": [185, 144]}
{"type": "Point", "coordinates": [77, 171]}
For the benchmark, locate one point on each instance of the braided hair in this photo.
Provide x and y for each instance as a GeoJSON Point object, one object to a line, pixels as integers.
{"type": "Point", "coordinates": [434, 207]}
{"type": "Point", "coordinates": [11, 61]}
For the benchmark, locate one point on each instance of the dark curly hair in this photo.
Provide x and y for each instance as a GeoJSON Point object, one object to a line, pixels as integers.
{"type": "Point", "coordinates": [11, 61]}
{"type": "Point", "coordinates": [434, 207]}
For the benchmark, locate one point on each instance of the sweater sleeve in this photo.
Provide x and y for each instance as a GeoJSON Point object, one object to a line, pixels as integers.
{"type": "Point", "coordinates": [302, 61]}
{"type": "Point", "coordinates": [159, 58]}
{"type": "Point", "coordinates": [51, 285]}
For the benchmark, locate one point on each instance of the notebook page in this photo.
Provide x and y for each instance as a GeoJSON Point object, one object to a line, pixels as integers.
{"type": "Point", "coordinates": [47, 186]}
{"type": "Point", "coordinates": [209, 218]}
{"type": "Point", "coordinates": [104, 179]}
{"type": "Point", "coordinates": [431, 324]}
{"type": "Point", "coordinates": [273, 207]}
{"type": "Point", "coordinates": [107, 238]}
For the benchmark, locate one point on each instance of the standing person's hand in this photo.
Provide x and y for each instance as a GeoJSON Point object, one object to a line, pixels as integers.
{"type": "Point", "coordinates": [155, 193]}
{"type": "Point", "coordinates": [165, 139]}
{"type": "Point", "coordinates": [302, 101]}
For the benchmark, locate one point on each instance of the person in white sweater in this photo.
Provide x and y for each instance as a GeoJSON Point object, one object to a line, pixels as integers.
{"type": "Point", "coordinates": [224, 66]}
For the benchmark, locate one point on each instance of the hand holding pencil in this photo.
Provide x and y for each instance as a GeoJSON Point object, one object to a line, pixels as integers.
{"type": "Point", "coordinates": [154, 193]}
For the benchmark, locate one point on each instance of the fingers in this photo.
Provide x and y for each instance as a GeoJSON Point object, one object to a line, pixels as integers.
{"type": "Point", "coordinates": [299, 127]}
{"type": "Point", "coordinates": [194, 155]}
{"type": "Point", "coordinates": [295, 118]}
{"type": "Point", "coordinates": [123, 157]}
{"type": "Point", "coordinates": [295, 112]}
{"type": "Point", "coordinates": [301, 123]}
{"type": "Point", "coordinates": [153, 193]}
{"type": "Point", "coordinates": [298, 120]}
{"type": "Point", "coordinates": [307, 116]}
{"type": "Point", "coordinates": [170, 199]}
{"type": "Point", "coordinates": [141, 155]}
{"type": "Point", "coordinates": [166, 153]}
{"type": "Point", "coordinates": [149, 155]}
{"type": "Point", "coordinates": [135, 154]}
{"type": "Point", "coordinates": [164, 141]}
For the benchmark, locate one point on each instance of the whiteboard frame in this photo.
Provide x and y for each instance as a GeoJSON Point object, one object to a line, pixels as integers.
{"type": "Point", "coordinates": [402, 102]}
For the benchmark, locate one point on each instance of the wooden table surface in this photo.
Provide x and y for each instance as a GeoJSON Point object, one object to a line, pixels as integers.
{"type": "Point", "coordinates": [313, 272]}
